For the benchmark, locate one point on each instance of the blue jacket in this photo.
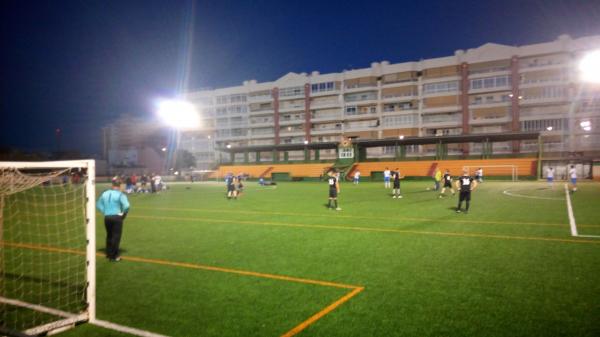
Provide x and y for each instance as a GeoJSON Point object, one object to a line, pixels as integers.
{"type": "Point", "coordinates": [113, 202]}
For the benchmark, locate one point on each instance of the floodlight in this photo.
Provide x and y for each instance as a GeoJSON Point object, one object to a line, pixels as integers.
{"type": "Point", "coordinates": [401, 137]}
{"type": "Point", "coordinates": [306, 142]}
{"type": "Point", "coordinates": [228, 146]}
{"type": "Point", "coordinates": [589, 67]}
{"type": "Point", "coordinates": [164, 149]}
{"type": "Point", "coordinates": [585, 124]}
{"type": "Point", "coordinates": [178, 114]}
{"type": "Point", "coordinates": [549, 128]}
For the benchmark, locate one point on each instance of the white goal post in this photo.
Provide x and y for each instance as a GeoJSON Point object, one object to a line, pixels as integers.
{"type": "Point", "coordinates": [496, 170]}
{"type": "Point", "coordinates": [48, 245]}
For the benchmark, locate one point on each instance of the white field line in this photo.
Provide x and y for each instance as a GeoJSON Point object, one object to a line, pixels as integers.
{"type": "Point", "coordinates": [125, 329]}
{"type": "Point", "coordinates": [507, 192]}
{"type": "Point", "coordinates": [570, 212]}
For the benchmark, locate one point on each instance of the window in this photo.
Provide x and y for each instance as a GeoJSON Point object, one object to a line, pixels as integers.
{"type": "Point", "coordinates": [490, 82]}
{"type": "Point", "coordinates": [346, 152]}
{"type": "Point", "coordinates": [322, 87]}
{"type": "Point", "coordinates": [351, 110]}
{"type": "Point", "coordinates": [293, 91]}
{"type": "Point", "coordinates": [431, 88]}
{"type": "Point", "coordinates": [405, 120]}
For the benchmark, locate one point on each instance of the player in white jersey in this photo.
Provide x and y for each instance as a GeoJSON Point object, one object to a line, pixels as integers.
{"type": "Point", "coordinates": [550, 177]}
{"type": "Point", "coordinates": [387, 174]}
{"type": "Point", "coordinates": [573, 175]}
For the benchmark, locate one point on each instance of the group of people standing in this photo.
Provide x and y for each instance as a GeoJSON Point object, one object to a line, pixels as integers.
{"type": "Point", "coordinates": [152, 183]}
{"type": "Point", "coordinates": [235, 185]}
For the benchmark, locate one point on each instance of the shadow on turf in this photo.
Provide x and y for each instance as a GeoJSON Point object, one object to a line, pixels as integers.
{"type": "Point", "coordinates": [103, 250]}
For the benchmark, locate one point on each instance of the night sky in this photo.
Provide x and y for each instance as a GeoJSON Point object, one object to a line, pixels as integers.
{"type": "Point", "coordinates": [77, 65]}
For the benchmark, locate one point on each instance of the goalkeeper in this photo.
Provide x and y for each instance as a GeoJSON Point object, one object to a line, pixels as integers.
{"type": "Point", "coordinates": [114, 205]}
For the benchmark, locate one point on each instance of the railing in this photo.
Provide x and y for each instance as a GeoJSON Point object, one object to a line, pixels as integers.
{"type": "Point", "coordinates": [532, 98]}
{"type": "Point", "coordinates": [430, 119]}
{"type": "Point", "coordinates": [261, 121]}
{"type": "Point", "coordinates": [352, 114]}
{"type": "Point", "coordinates": [331, 128]}
{"type": "Point", "coordinates": [323, 103]}
{"type": "Point", "coordinates": [261, 110]}
{"type": "Point", "coordinates": [398, 95]}
{"type": "Point", "coordinates": [488, 102]}
{"type": "Point", "coordinates": [397, 109]}
{"type": "Point", "coordinates": [488, 70]}
{"type": "Point", "coordinates": [356, 99]}
{"type": "Point", "coordinates": [360, 85]}
{"type": "Point", "coordinates": [292, 106]}
{"type": "Point", "coordinates": [543, 80]}
{"type": "Point", "coordinates": [259, 98]}
{"type": "Point", "coordinates": [543, 63]}
{"type": "Point", "coordinates": [327, 116]}
{"type": "Point", "coordinates": [399, 81]}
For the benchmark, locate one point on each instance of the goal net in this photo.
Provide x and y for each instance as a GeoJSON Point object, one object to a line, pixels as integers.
{"type": "Point", "coordinates": [47, 241]}
{"type": "Point", "coordinates": [509, 171]}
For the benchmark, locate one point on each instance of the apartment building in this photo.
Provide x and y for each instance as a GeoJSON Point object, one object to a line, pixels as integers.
{"type": "Point", "coordinates": [489, 89]}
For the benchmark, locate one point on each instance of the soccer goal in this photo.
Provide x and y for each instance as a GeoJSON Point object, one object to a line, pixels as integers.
{"type": "Point", "coordinates": [496, 170]}
{"type": "Point", "coordinates": [47, 241]}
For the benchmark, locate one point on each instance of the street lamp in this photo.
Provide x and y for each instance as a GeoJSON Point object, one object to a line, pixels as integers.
{"type": "Point", "coordinates": [589, 67]}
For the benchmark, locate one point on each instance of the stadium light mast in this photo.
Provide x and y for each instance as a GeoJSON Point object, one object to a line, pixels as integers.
{"type": "Point", "coordinates": [179, 115]}
{"type": "Point", "coordinates": [589, 67]}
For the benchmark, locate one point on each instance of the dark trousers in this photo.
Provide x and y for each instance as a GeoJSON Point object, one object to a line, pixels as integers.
{"type": "Point", "coordinates": [114, 228]}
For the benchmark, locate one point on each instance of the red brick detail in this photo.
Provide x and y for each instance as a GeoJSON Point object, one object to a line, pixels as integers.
{"type": "Point", "coordinates": [464, 102]}
{"type": "Point", "coordinates": [514, 106]}
{"type": "Point", "coordinates": [307, 112]}
{"type": "Point", "coordinates": [275, 94]}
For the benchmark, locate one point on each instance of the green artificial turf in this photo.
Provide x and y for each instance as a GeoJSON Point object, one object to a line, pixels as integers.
{"type": "Point", "coordinates": [508, 268]}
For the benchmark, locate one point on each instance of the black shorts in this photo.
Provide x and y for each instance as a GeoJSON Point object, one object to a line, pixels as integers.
{"type": "Point", "coordinates": [448, 184]}
{"type": "Point", "coordinates": [333, 193]}
{"type": "Point", "coordinates": [230, 188]}
{"type": "Point", "coordinates": [396, 185]}
{"type": "Point", "coordinates": [465, 196]}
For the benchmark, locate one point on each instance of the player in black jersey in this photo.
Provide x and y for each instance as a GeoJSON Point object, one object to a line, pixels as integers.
{"type": "Point", "coordinates": [396, 193]}
{"type": "Point", "coordinates": [465, 184]}
{"type": "Point", "coordinates": [447, 179]}
{"type": "Point", "coordinates": [334, 189]}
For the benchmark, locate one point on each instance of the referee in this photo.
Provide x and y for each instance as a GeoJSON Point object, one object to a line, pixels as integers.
{"type": "Point", "coordinates": [114, 205]}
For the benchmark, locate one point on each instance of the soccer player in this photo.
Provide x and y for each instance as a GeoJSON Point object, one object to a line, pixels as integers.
{"type": "Point", "coordinates": [465, 184]}
{"type": "Point", "coordinates": [386, 178]}
{"type": "Point", "coordinates": [573, 174]}
{"type": "Point", "coordinates": [356, 177]}
{"type": "Point", "coordinates": [447, 183]}
{"type": "Point", "coordinates": [396, 193]}
{"type": "Point", "coordinates": [550, 177]}
{"type": "Point", "coordinates": [230, 182]}
{"type": "Point", "coordinates": [437, 177]}
{"type": "Point", "coordinates": [114, 205]}
{"type": "Point", "coordinates": [334, 189]}
{"type": "Point", "coordinates": [240, 185]}
{"type": "Point", "coordinates": [479, 175]}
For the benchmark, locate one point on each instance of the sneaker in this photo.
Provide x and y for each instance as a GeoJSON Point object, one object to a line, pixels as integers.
{"type": "Point", "coordinates": [440, 196]}
{"type": "Point", "coordinates": [399, 197]}
{"type": "Point", "coordinates": [394, 197]}
{"type": "Point", "coordinates": [458, 211]}
{"type": "Point", "coordinates": [338, 209]}
{"type": "Point", "coordinates": [116, 259]}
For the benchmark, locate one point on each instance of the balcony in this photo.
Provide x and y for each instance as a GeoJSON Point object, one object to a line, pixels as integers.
{"type": "Point", "coordinates": [398, 83]}
{"type": "Point", "coordinates": [360, 87]}
{"type": "Point", "coordinates": [492, 119]}
{"type": "Point", "coordinates": [542, 65]}
{"type": "Point", "coordinates": [447, 108]}
{"type": "Point", "coordinates": [291, 121]}
{"type": "Point", "coordinates": [507, 87]}
{"type": "Point", "coordinates": [489, 104]}
{"type": "Point", "coordinates": [488, 71]}
{"type": "Point", "coordinates": [260, 99]}
{"type": "Point", "coordinates": [326, 117]}
{"type": "Point", "coordinates": [399, 96]}
{"type": "Point", "coordinates": [326, 130]}
{"type": "Point", "coordinates": [325, 104]}
{"type": "Point", "coordinates": [291, 107]}
{"type": "Point", "coordinates": [393, 110]}
{"type": "Point", "coordinates": [261, 123]}
{"type": "Point", "coordinates": [262, 111]}
{"type": "Point", "coordinates": [441, 120]}
{"type": "Point", "coordinates": [292, 132]}
{"type": "Point", "coordinates": [543, 99]}
{"type": "Point", "coordinates": [535, 82]}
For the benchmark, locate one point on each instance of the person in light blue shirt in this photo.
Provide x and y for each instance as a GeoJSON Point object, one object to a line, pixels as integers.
{"type": "Point", "coordinates": [114, 205]}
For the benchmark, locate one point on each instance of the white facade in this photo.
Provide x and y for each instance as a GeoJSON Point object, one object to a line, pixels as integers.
{"type": "Point", "coordinates": [479, 90]}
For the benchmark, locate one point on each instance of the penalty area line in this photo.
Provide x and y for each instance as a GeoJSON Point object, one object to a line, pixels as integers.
{"type": "Point", "coordinates": [570, 212]}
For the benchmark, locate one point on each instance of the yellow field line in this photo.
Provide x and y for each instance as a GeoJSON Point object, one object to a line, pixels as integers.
{"type": "Point", "coordinates": [323, 312]}
{"type": "Point", "coordinates": [185, 265]}
{"type": "Point", "coordinates": [370, 229]}
{"type": "Point", "coordinates": [359, 217]}
{"type": "Point", "coordinates": [292, 332]}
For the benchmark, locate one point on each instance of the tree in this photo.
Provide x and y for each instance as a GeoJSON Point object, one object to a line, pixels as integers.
{"type": "Point", "coordinates": [184, 160]}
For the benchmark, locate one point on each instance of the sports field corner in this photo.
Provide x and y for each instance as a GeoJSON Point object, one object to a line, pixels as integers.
{"type": "Point", "coordinates": [277, 262]}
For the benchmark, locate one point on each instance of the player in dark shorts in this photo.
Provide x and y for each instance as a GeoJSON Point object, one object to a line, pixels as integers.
{"type": "Point", "coordinates": [447, 179]}
{"type": "Point", "coordinates": [230, 182]}
{"type": "Point", "coordinates": [396, 193]}
{"type": "Point", "coordinates": [240, 185]}
{"type": "Point", "coordinates": [334, 189]}
{"type": "Point", "coordinates": [465, 184]}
